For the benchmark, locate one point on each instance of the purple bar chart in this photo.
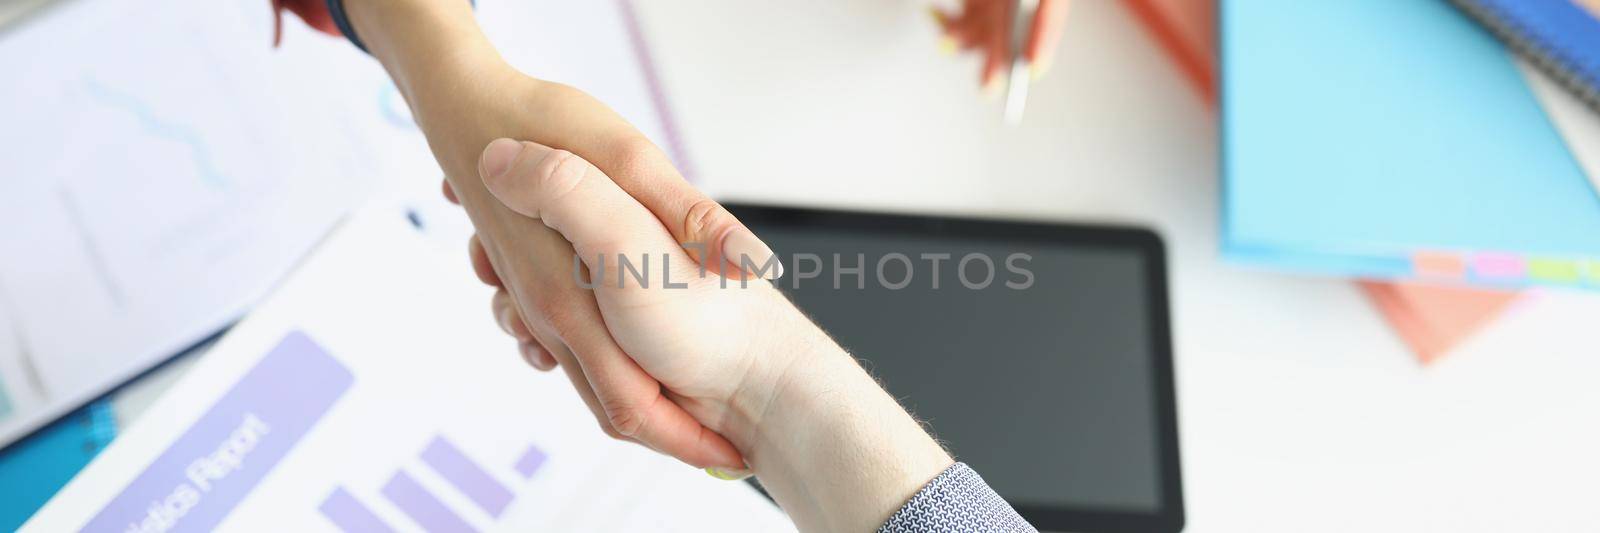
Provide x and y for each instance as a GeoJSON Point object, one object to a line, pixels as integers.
{"type": "Point", "coordinates": [530, 462]}
{"type": "Point", "coordinates": [346, 512]}
{"type": "Point", "coordinates": [472, 480]}
{"type": "Point", "coordinates": [422, 505]}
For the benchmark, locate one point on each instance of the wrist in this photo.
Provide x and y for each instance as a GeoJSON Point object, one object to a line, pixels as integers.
{"type": "Point", "coordinates": [795, 354]}
{"type": "Point", "coordinates": [425, 45]}
{"type": "Point", "coordinates": [828, 443]}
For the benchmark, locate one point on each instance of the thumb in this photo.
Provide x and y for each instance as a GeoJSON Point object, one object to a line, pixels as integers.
{"type": "Point", "coordinates": [574, 198]}
{"type": "Point", "coordinates": [701, 226]}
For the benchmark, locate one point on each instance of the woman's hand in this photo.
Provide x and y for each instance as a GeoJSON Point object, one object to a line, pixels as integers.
{"type": "Point", "coordinates": [835, 450]}
{"type": "Point", "coordinates": [984, 26]}
{"type": "Point", "coordinates": [463, 95]}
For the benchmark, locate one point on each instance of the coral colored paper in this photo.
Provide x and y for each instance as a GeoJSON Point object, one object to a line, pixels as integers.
{"type": "Point", "coordinates": [1434, 319]}
{"type": "Point", "coordinates": [1187, 29]}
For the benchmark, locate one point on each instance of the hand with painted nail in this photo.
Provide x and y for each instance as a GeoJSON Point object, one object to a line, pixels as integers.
{"type": "Point", "coordinates": [742, 246]}
{"type": "Point", "coordinates": [984, 27]}
{"type": "Point", "coordinates": [654, 297]}
{"type": "Point", "coordinates": [463, 94]}
{"type": "Point", "coordinates": [720, 378]}
{"type": "Point", "coordinates": [551, 317]}
{"type": "Point", "coordinates": [835, 450]}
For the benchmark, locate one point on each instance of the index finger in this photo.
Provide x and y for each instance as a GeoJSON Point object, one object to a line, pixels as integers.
{"type": "Point", "coordinates": [1048, 24]}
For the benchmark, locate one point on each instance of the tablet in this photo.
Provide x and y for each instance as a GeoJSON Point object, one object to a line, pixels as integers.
{"type": "Point", "coordinates": [1039, 354]}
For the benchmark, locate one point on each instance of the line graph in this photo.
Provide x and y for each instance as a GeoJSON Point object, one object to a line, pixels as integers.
{"type": "Point", "coordinates": [158, 127]}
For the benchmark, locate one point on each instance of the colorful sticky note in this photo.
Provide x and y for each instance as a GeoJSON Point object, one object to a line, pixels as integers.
{"type": "Point", "coordinates": [1553, 270]}
{"type": "Point", "coordinates": [1439, 265]}
{"type": "Point", "coordinates": [1498, 266]}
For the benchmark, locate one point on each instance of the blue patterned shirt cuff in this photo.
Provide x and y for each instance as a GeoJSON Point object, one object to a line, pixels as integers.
{"type": "Point", "coordinates": [956, 500]}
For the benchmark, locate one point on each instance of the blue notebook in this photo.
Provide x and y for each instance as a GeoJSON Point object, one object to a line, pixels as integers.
{"type": "Point", "coordinates": [37, 466]}
{"type": "Point", "coordinates": [1559, 35]}
{"type": "Point", "coordinates": [1384, 139]}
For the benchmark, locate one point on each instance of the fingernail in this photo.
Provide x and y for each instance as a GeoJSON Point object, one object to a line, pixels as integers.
{"type": "Point", "coordinates": [947, 46]}
{"type": "Point", "coordinates": [938, 16]}
{"type": "Point", "coordinates": [991, 87]}
{"type": "Point", "coordinates": [1036, 69]}
{"type": "Point", "coordinates": [742, 247]}
{"type": "Point", "coordinates": [497, 157]}
{"type": "Point", "coordinates": [503, 318]}
{"type": "Point", "coordinates": [728, 474]}
{"type": "Point", "coordinates": [531, 353]}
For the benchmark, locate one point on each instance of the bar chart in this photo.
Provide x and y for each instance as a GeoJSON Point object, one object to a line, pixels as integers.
{"type": "Point", "coordinates": [467, 477]}
{"type": "Point", "coordinates": [305, 420]}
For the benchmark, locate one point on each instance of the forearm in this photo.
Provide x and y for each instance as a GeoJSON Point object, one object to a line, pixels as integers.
{"type": "Point", "coordinates": [830, 445]}
{"type": "Point", "coordinates": [424, 44]}
{"type": "Point", "coordinates": [456, 83]}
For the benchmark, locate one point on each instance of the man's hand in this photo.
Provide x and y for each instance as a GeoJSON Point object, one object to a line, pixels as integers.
{"type": "Point", "coordinates": [830, 445]}
{"type": "Point", "coordinates": [554, 319]}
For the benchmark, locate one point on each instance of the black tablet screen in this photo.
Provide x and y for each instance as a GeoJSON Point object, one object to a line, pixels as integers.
{"type": "Point", "coordinates": [1045, 388]}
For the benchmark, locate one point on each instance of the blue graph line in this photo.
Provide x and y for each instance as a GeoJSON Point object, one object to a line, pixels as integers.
{"type": "Point", "coordinates": [156, 126]}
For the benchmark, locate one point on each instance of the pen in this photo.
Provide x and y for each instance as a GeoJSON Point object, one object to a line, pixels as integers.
{"type": "Point", "coordinates": [1022, 14]}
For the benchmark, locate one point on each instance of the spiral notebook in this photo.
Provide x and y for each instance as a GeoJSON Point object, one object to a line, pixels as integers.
{"type": "Point", "coordinates": [1561, 36]}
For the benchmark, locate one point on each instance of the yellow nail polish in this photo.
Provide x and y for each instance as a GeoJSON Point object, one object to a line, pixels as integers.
{"type": "Point", "coordinates": [991, 88]}
{"type": "Point", "coordinates": [727, 475]}
{"type": "Point", "coordinates": [947, 46]}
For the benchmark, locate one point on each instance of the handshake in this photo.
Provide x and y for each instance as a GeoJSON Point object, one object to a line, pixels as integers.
{"type": "Point", "coordinates": [673, 365]}
{"type": "Point", "coordinates": [725, 376]}
{"type": "Point", "coordinates": [699, 357]}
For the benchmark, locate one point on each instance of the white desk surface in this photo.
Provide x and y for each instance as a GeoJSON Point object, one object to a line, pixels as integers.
{"type": "Point", "coordinates": [1299, 407]}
